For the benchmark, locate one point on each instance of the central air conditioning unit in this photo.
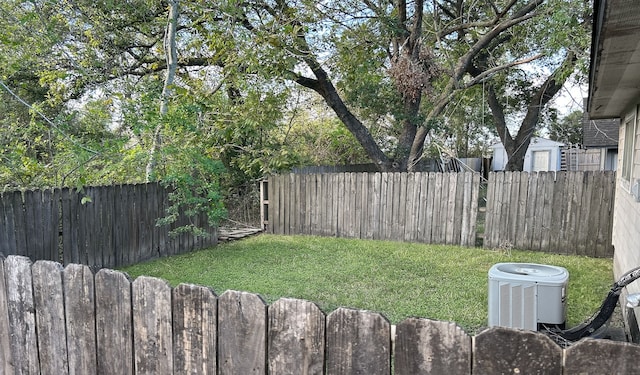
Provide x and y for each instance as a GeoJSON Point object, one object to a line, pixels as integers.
{"type": "Point", "coordinates": [527, 295]}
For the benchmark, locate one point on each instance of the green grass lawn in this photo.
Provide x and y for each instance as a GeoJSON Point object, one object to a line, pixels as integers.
{"type": "Point", "coordinates": [399, 280]}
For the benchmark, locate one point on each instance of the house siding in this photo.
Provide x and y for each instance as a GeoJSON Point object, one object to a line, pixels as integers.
{"type": "Point", "coordinates": [626, 228]}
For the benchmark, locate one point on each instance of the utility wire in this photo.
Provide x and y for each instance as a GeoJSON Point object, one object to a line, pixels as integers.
{"type": "Point", "coordinates": [46, 119]}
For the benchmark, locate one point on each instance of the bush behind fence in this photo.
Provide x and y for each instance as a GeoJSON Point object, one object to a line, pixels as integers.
{"type": "Point", "coordinates": [56, 320]}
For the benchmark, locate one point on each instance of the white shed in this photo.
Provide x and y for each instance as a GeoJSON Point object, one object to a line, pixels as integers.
{"type": "Point", "coordinates": [542, 155]}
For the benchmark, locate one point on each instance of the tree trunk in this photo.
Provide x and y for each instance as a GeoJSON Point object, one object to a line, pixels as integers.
{"type": "Point", "coordinates": [172, 64]}
{"type": "Point", "coordinates": [516, 148]}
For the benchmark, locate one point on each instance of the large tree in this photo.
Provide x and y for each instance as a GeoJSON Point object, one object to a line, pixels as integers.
{"type": "Point", "coordinates": [388, 70]}
{"type": "Point", "coordinates": [403, 62]}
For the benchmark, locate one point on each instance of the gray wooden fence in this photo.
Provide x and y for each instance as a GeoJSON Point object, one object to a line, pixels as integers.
{"type": "Point", "coordinates": [417, 207]}
{"type": "Point", "coordinates": [106, 226]}
{"type": "Point", "coordinates": [563, 212]}
{"type": "Point", "coordinates": [56, 320]}
{"type": "Point", "coordinates": [559, 212]}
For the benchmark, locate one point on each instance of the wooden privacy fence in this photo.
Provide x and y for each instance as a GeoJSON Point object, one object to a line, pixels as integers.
{"type": "Point", "coordinates": [417, 207]}
{"type": "Point", "coordinates": [562, 212]}
{"type": "Point", "coordinates": [56, 320]}
{"type": "Point", "coordinates": [106, 226]}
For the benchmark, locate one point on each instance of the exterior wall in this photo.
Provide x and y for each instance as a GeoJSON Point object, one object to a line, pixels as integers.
{"type": "Point", "coordinates": [626, 231]}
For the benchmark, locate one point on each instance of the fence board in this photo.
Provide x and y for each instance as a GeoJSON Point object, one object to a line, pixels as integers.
{"type": "Point", "coordinates": [557, 215]}
{"type": "Point", "coordinates": [20, 223]}
{"type": "Point", "coordinates": [373, 231]}
{"type": "Point", "coordinates": [585, 207]}
{"type": "Point", "coordinates": [91, 246]}
{"type": "Point", "coordinates": [32, 213]}
{"type": "Point", "coordinates": [80, 315]}
{"type": "Point", "coordinates": [152, 330]}
{"type": "Point", "coordinates": [50, 323]}
{"type": "Point", "coordinates": [547, 211]}
{"type": "Point", "coordinates": [451, 210]}
{"type": "Point", "coordinates": [400, 209]}
{"type": "Point", "coordinates": [430, 211]}
{"type": "Point", "coordinates": [473, 209]}
{"type": "Point", "coordinates": [422, 180]}
{"type": "Point", "coordinates": [242, 330]}
{"type": "Point", "coordinates": [296, 338]}
{"type": "Point", "coordinates": [6, 359]}
{"type": "Point", "coordinates": [602, 357]}
{"type": "Point", "coordinates": [440, 196]}
{"type": "Point", "coordinates": [114, 330]}
{"type": "Point", "coordinates": [507, 351]}
{"type": "Point", "coordinates": [358, 342]}
{"type": "Point", "coordinates": [605, 229]}
{"type": "Point", "coordinates": [108, 223]}
{"type": "Point", "coordinates": [22, 315]}
{"type": "Point", "coordinates": [8, 226]}
{"type": "Point", "coordinates": [431, 347]}
{"type": "Point", "coordinates": [194, 330]}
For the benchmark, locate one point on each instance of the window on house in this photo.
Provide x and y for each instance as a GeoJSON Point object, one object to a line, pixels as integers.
{"type": "Point", "coordinates": [628, 148]}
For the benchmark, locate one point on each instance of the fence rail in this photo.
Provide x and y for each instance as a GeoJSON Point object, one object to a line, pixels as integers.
{"type": "Point", "coordinates": [563, 212]}
{"type": "Point", "coordinates": [418, 207]}
{"type": "Point", "coordinates": [56, 320]}
{"type": "Point", "coordinates": [106, 226]}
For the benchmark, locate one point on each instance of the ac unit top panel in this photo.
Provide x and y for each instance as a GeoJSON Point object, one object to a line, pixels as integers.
{"type": "Point", "coordinates": [529, 272]}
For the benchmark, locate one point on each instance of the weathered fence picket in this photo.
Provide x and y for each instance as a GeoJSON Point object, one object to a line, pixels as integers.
{"type": "Point", "coordinates": [242, 334]}
{"type": "Point", "coordinates": [601, 357]}
{"type": "Point", "coordinates": [79, 302]}
{"type": "Point", "coordinates": [358, 342]}
{"type": "Point", "coordinates": [21, 309]}
{"type": "Point", "coordinates": [426, 346]}
{"type": "Point", "coordinates": [296, 338]}
{"type": "Point", "coordinates": [6, 362]}
{"type": "Point", "coordinates": [50, 323]}
{"type": "Point", "coordinates": [499, 351]}
{"type": "Point", "coordinates": [114, 323]}
{"type": "Point", "coordinates": [146, 326]}
{"type": "Point", "coordinates": [194, 329]}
